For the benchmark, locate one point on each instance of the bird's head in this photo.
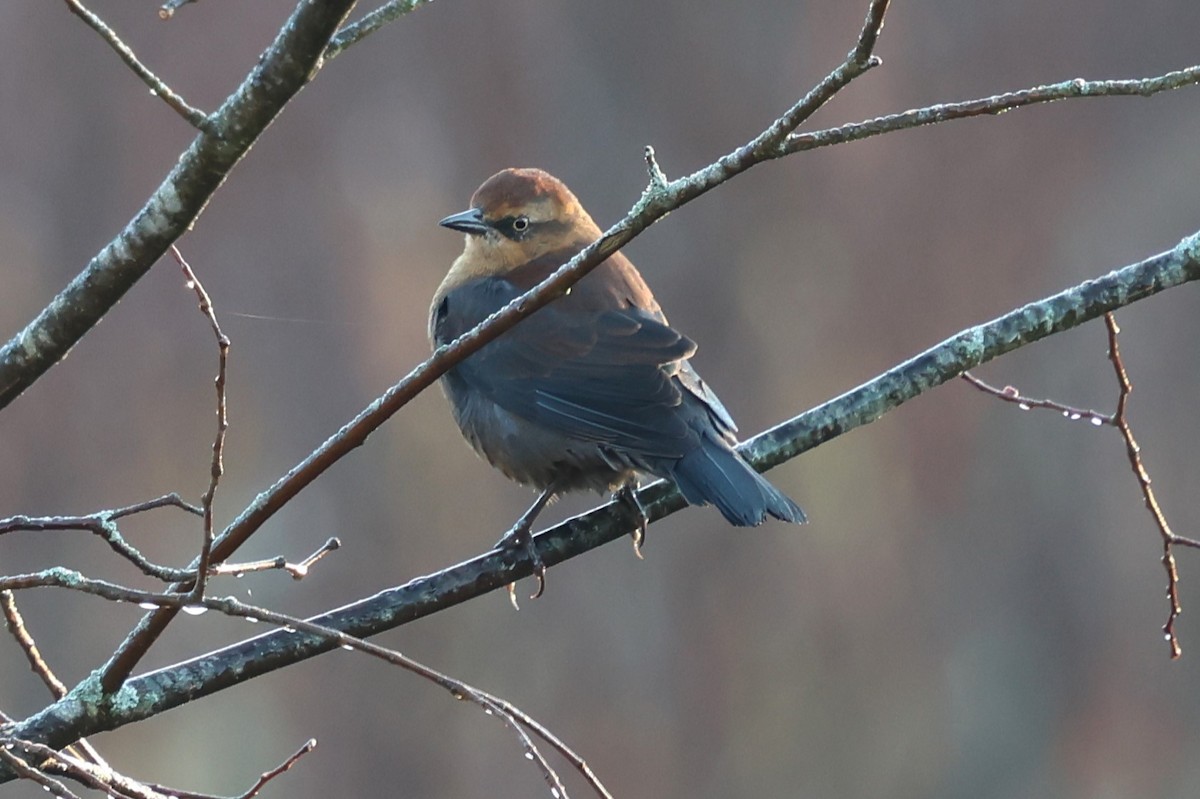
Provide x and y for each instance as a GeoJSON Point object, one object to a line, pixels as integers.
{"type": "Point", "coordinates": [517, 216]}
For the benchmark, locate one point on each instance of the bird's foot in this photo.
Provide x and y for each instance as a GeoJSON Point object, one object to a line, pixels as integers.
{"type": "Point", "coordinates": [627, 495]}
{"type": "Point", "coordinates": [520, 538]}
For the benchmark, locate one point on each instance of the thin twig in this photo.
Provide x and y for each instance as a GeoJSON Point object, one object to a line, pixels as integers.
{"type": "Point", "coordinates": [262, 781]}
{"type": "Point", "coordinates": [168, 9]}
{"type": "Point", "coordinates": [1132, 449]}
{"type": "Point", "coordinates": [204, 562]}
{"type": "Point", "coordinates": [515, 719]}
{"type": "Point", "coordinates": [767, 145]}
{"type": "Point", "coordinates": [298, 570]}
{"type": "Point", "coordinates": [59, 577]}
{"type": "Point", "coordinates": [196, 118]}
{"type": "Point", "coordinates": [989, 106]}
{"type": "Point", "coordinates": [172, 500]}
{"type": "Point", "coordinates": [1119, 420]}
{"type": "Point", "coordinates": [37, 523]}
{"type": "Point", "coordinates": [277, 563]}
{"type": "Point", "coordinates": [872, 27]}
{"type": "Point", "coordinates": [456, 688]}
{"type": "Point", "coordinates": [289, 64]}
{"type": "Point", "coordinates": [532, 752]}
{"type": "Point", "coordinates": [658, 178]}
{"type": "Point", "coordinates": [357, 31]}
{"type": "Point", "coordinates": [283, 767]}
{"type": "Point", "coordinates": [38, 664]}
{"type": "Point", "coordinates": [100, 777]}
{"type": "Point", "coordinates": [32, 774]}
{"type": "Point", "coordinates": [546, 735]}
{"type": "Point", "coordinates": [16, 626]}
{"type": "Point", "coordinates": [1011, 394]}
{"type": "Point", "coordinates": [103, 524]}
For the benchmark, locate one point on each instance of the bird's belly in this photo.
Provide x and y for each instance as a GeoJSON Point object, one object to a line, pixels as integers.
{"type": "Point", "coordinates": [532, 454]}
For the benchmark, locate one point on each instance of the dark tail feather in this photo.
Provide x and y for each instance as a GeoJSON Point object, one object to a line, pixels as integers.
{"type": "Point", "coordinates": [714, 473]}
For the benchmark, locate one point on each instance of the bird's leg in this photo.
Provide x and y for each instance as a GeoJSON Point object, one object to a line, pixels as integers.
{"type": "Point", "coordinates": [627, 495]}
{"type": "Point", "coordinates": [521, 537]}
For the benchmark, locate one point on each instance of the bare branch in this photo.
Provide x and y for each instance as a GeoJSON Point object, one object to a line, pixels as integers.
{"type": "Point", "coordinates": [119, 712]}
{"type": "Point", "coordinates": [1011, 394]}
{"type": "Point", "coordinates": [514, 718]}
{"type": "Point", "coordinates": [283, 767]}
{"type": "Point", "coordinates": [172, 500]}
{"type": "Point", "coordinates": [59, 577]}
{"type": "Point", "coordinates": [1132, 449]}
{"type": "Point", "coordinates": [298, 570]}
{"type": "Point", "coordinates": [287, 66]}
{"type": "Point", "coordinates": [167, 10]}
{"type": "Point", "coordinates": [990, 106]}
{"type": "Point", "coordinates": [1119, 420]}
{"type": "Point", "coordinates": [195, 117]}
{"type": "Point", "coordinates": [16, 626]}
{"type": "Point", "coordinates": [870, 32]}
{"type": "Point", "coordinates": [541, 732]}
{"type": "Point", "coordinates": [38, 664]}
{"type": "Point", "coordinates": [217, 468]}
{"type": "Point", "coordinates": [36, 523]}
{"type": "Point", "coordinates": [531, 751]}
{"type": "Point", "coordinates": [98, 777]}
{"type": "Point", "coordinates": [356, 32]}
{"type": "Point", "coordinates": [28, 772]}
{"type": "Point", "coordinates": [263, 779]}
{"type": "Point", "coordinates": [103, 524]}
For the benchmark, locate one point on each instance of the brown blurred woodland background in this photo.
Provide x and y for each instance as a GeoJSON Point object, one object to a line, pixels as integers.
{"type": "Point", "coordinates": [975, 609]}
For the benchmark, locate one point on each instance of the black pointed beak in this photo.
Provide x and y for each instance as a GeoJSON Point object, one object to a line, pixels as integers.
{"type": "Point", "coordinates": [469, 221]}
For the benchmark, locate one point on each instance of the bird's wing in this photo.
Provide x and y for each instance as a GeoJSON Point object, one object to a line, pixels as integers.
{"type": "Point", "coordinates": [588, 366]}
{"type": "Point", "coordinates": [692, 381]}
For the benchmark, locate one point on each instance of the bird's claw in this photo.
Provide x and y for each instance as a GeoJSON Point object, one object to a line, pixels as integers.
{"type": "Point", "coordinates": [520, 537]}
{"type": "Point", "coordinates": [627, 494]}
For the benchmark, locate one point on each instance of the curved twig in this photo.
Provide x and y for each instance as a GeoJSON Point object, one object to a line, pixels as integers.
{"type": "Point", "coordinates": [194, 116]}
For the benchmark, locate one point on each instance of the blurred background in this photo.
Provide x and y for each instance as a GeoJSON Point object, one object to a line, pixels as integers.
{"type": "Point", "coordinates": [976, 607]}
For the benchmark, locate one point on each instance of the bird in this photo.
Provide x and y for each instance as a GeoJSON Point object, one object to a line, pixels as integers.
{"type": "Point", "coordinates": [592, 390]}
